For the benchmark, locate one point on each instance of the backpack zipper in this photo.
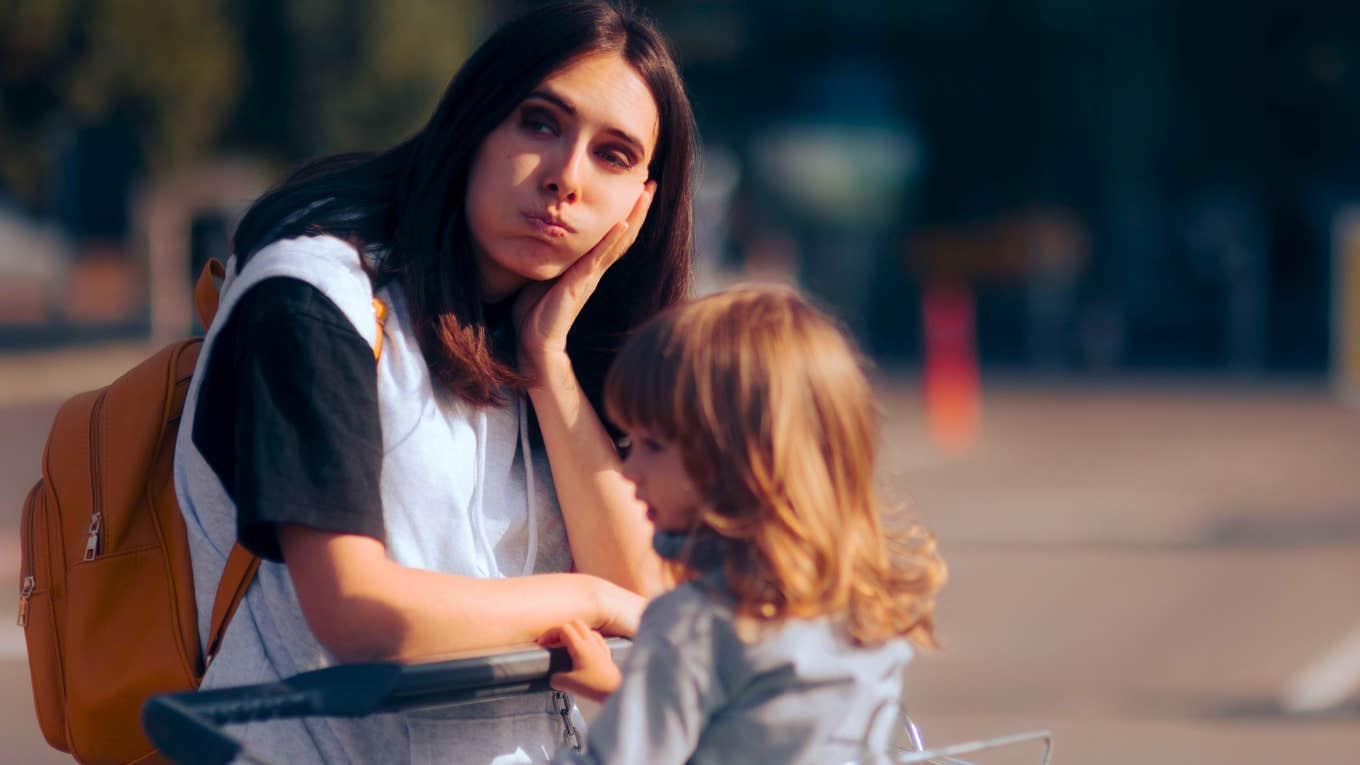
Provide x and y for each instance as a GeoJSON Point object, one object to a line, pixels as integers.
{"type": "Point", "coordinates": [92, 539]}
{"type": "Point", "coordinates": [27, 592]}
{"type": "Point", "coordinates": [26, 532]}
{"type": "Point", "coordinates": [96, 517]}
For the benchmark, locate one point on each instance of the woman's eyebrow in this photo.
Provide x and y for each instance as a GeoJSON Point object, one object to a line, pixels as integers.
{"type": "Point", "coordinates": [566, 106]}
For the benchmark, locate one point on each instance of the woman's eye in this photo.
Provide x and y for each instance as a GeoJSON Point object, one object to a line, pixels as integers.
{"type": "Point", "coordinates": [624, 445]}
{"type": "Point", "coordinates": [617, 158]}
{"type": "Point", "coordinates": [651, 446]}
{"type": "Point", "coordinates": [537, 122]}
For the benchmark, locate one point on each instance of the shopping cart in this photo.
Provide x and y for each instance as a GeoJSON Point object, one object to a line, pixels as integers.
{"type": "Point", "coordinates": [189, 728]}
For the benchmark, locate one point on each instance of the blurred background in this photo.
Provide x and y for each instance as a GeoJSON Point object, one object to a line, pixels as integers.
{"type": "Point", "coordinates": [1105, 258]}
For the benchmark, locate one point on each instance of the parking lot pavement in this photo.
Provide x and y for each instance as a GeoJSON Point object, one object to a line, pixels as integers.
{"type": "Point", "coordinates": [1135, 656]}
{"type": "Point", "coordinates": [1142, 569]}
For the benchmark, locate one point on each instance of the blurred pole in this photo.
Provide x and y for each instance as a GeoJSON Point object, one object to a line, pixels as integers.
{"type": "Point", "coordinates": [1056, 250]}
{"type": "Point", "coordinates": [719, 175]}
{"type": "Point", "coordinates": [1346, 305]}
{"type": "Point", "coordinates": [1139, 100]}
{"type": "Point", "coordinates": [1228, 243]}
{"type": "Point", "coordinates": [164, 218]}
{"type": "Point", "coordinates": [953, 388]}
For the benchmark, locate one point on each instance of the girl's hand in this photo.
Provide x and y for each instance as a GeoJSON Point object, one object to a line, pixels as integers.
{"type": "Point", "coordinates": [545, 311]}
{"type": "Point", "coordinates": [593, 673]}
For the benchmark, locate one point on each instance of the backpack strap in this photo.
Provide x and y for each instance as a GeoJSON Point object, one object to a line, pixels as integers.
{"type": "Point", "coordinates": [206, 290]}
{"type": "Point", "coordinates": [236, 577]}
{"type": "Point", "coordinates": [379, 316]}
{"type": "Point", "coordinates": [241, 563]}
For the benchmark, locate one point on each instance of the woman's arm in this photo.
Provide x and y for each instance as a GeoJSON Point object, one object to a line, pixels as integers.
{"type": "Point", "coordinates": [607, 530]}
{"type": "Point", "coordinates": [362, 606]}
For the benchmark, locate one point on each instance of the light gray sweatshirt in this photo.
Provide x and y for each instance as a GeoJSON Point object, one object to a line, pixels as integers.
{"type": "Point", "coordinates": [694, 692]}
{"type": "Point", "coordinates": [462, 492]}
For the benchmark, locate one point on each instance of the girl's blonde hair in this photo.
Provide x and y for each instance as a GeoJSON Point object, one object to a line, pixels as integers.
{"type": "Point", "coordinates": [774, 419]}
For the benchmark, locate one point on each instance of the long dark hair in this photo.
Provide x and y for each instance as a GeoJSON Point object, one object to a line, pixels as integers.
{"type": "Point", "coordinates": [406, 206]}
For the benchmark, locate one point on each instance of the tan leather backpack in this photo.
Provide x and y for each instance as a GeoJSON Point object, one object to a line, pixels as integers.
{"type": "Point", "coordinates": [106, 588]}
{"type": "Point", "coordinates": [106, 594]}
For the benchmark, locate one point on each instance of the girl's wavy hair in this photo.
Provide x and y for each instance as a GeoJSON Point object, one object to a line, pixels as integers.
{"type": "Point", "coordinates": [774, 418]}
{"type": "Point", "coordinates": [406, 206]}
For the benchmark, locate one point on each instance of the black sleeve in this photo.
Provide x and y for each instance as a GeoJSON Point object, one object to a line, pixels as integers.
{"type": "Point", "coordinates": [288, 419]}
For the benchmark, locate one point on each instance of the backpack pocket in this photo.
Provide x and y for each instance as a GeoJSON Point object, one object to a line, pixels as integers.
{"type": "Point", "coordinates": [119, 606]}
{"type": "Point", "coordinates": [38, 618]}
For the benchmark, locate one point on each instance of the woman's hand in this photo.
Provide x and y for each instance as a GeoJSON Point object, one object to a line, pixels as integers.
{"type": "Point", "coordinates": [593, 673]}
{"type": "Point", "coordinates": [545, 311]}
{"type": "Point", "coordinates": [617, 611]}
{"type": "Point", "coordinates": [608, 533]}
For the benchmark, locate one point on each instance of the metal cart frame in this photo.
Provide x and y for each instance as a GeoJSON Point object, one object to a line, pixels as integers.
{"type": "Point", "coordinates": [188, 727]}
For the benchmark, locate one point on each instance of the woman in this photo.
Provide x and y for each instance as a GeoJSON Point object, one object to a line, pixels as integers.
{"type": "Point", "coordinates": [403, 508]}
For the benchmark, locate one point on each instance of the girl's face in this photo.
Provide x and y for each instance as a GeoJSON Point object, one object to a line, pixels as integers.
{"type": "Point", "coordinates": [658, 473]}
{"type": "Point", "coordinates": [567, 164]}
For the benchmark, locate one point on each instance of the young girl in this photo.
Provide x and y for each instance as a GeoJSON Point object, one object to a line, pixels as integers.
{"type": "Point", "coordinates": [752, 445]}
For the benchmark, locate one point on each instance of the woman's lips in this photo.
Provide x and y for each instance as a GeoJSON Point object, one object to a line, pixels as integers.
{"type": "Point", "coordinates": [651, 514]}
{"type": "Point", "coordinates": [548, 227]}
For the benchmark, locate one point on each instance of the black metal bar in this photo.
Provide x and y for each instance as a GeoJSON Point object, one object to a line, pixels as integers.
{"type": "Point", "coordinates": [187, 727]}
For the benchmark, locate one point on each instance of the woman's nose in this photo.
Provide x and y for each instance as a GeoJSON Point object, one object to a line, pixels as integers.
{"type": "Point", "coordinates": [563, 175]}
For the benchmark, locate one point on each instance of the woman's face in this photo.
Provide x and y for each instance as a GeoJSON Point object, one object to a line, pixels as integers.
{"type": "Point", "coordinates": [567, 164]}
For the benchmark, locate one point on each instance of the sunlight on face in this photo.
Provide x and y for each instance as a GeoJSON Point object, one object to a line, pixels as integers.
{"type": "Point", "coordinates": [567, 164]}
{"type": "Point", "coordinates": [657, 470]}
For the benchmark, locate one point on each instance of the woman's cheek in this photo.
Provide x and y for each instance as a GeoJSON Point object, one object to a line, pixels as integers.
{"type": "Point", "coordinates": [623, 195]}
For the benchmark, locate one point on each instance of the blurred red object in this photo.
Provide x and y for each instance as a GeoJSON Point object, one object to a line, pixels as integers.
{"type": "Point", "coordinates": [953, 388]}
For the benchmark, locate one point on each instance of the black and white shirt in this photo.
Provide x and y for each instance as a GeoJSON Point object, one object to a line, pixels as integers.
{"type": "Point", "coordinates": [292, 421]}
{"type": "Point", "coordinates": [287, 416]}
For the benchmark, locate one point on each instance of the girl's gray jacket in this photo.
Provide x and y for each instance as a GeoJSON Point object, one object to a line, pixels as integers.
{"type": "Point", "coordinates": [695, 692]}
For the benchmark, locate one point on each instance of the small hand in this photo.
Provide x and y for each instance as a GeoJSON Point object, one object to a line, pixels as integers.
{"type": "Point", "coordinates": [593, 673]}
{"type": "Point", "coordinates": [545, 311]}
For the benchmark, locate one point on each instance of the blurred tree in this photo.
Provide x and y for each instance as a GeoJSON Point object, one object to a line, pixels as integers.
{"type": "Point", "coordinates": [370, 72]}
{"type": "Point", "coordinates": [167, 70]}
{"type": "Point", "coordinates": [190, 77]}
{"type": "Point", "coordinates": [35, 45]}
{"type": "Point", "coordinates": [173, 65]}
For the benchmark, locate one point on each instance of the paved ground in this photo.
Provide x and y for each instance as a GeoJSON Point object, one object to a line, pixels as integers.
{"type": "Point", "coordinates": [1144, 569]}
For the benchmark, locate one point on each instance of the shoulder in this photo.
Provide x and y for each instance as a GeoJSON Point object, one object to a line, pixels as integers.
{"type": "Point", "coordinates": [321, 245]}
{"type": "Point", "coordinates": [822, 648]}
{"type": "Point", "coordinates": [330, 266]}
{"type": "Point", "coordinates": [287, 301]}
{"type": "Point", "coordinates": [688, 614]}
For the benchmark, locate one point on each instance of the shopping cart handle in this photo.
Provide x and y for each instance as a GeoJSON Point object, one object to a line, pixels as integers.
{"type": "Point", "coordinates": [183, 736]}
{"type": "Point", "coordinates": [187, 727]}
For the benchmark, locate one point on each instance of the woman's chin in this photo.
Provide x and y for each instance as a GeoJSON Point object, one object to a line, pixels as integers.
{"type": "Point", "coordinates": [547, 269]}
{"type": "Point", "coordinates": [505, 276]}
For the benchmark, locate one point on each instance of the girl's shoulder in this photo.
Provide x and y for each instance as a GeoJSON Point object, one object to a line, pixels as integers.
{"type": "Point", "coordinates": [692, 603]}
{"type": "Point", "coordinates": [694, 610]}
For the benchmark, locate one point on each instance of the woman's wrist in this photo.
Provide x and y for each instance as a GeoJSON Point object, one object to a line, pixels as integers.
{"type": "Point", "coordinates": [615, 611]}
{"type": "Point", "coordinates": [548, 367]}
